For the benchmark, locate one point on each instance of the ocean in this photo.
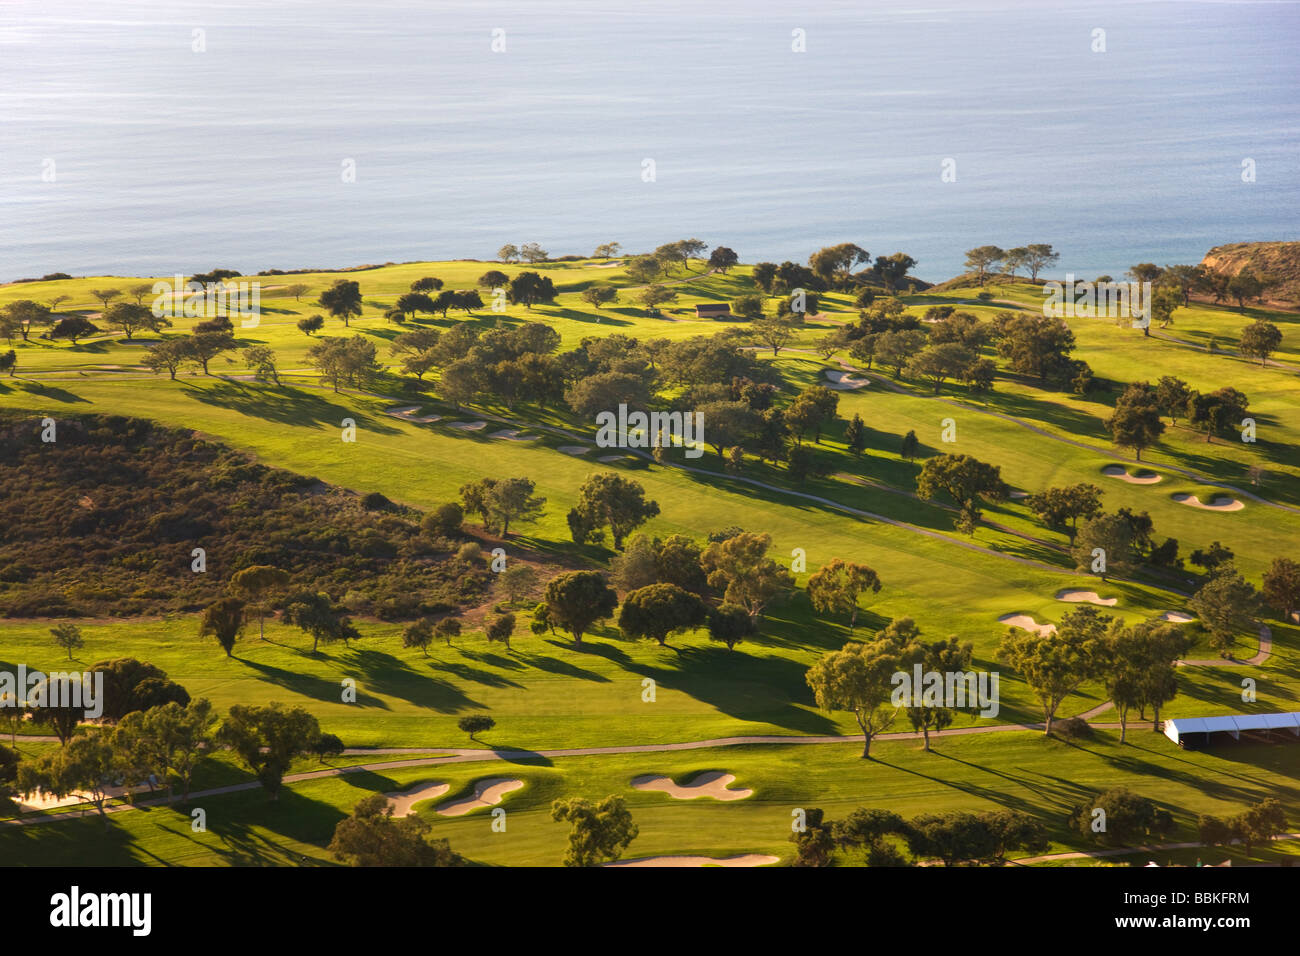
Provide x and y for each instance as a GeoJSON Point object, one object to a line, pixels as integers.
{"type": "Point", "coordinates": [154, 138]}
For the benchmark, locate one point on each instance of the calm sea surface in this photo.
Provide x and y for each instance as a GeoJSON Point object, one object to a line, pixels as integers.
{"type": "Point", "coordinates": [164, 159]}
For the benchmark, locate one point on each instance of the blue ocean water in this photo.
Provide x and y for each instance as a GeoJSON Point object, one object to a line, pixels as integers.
{"type": "Point", "coordinates": [168, 159]}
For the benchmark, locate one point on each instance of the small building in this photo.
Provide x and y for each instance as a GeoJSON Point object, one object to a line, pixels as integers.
{"type": "Point", "coordinates": [712, 310]}
{"type": "Point", "coordinates": [1195, 733]}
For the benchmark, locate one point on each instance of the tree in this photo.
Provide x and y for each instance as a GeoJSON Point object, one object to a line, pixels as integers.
{"type": "Point", "coordinates": [1260, 339]}
{"type": "Point", "coordinates": [984, 259]}
{"type": "Point", "coordinates": [1172, 394]}
{"type": "Point", "coordinates": [1136, 422]}
{"type": "Point", "coordinates": [508, 253]}
{"type": "Point", "coordinates": [224, 620]}
{"type": "Point", "coordinates": [528, 288]}
{"type": "Point", "coordinates": [412, 302]}
{"type": "Point", "coordinates": [722, 259]}
{"type": "Point", "coordinates": [418, 634]}
{"type": "Point", "coordinates": [532, 252]}
{"type": "Point", "coordinates": [131, 318]}
{"type": "Point", "coordinates": [267, 739]}
{"type": "Point", "coordinates": [740, 568]}
{"type": "Point", "coordinates": [87, 765]}
{"type": "Point", "coordinates": [965, 480]}
{"type": "Point", "coordinates": [1165, 300]}
{"type": "Point", "coordinates": [342, 300]}
{"type": "Point", "coordinates": [169, 354]}
{"type": "Point", "coordinates": [658, 610]}
{"type": "Point", "coordinates": [1014, 260]}
{"type": "Point", "coordinates": [517, 581]}
{"type": "Point", "coordinates": [1038, 256]}
{"type": "Point", "coordinates": [1244, 286]}
{"type": "Point", "coordinates": [1217, 411]}
{"type": "Point", "coordinates": [512, 499]}
{"type": "Point", "coordinates": [1056, 506]}
{"type": "Point", "coordinates": [68, 637]}
{"type": "Point", "coordinates": [22, 316]}
{"type": "Point", "coordinates": [169, 740]}
{"type": "Point", "coordinates": [576, 600]}
{"type": "Point", "coordinates": [297, 290]}
{"type": "Point", "coordinates": [426, 284]}
{"type": "Point", "coordinates": [72, 328]}
{"type": "Point", "coordinates": [1054, 665]}
{"type": "Point", "coordinates": [313, 323]}
{"type": "Point", "coordinates": [606, 250]}
{"type": "Point", "coordinates": [653, 296]}
{"type": "Point", "coordinates": [1131, 820]}
{"type": "Point", "coordinates": [262, 361]}
{"type": "Point", "coordinates": [1144, 272]}
{"type": "Point", "coordinates": [643, 269]}
{"type": "Point", "coordinates": [857, 678]}
{"type": "Point", "coordinates": [8, 362]}
{"type": "Point", "coordinates": [1112, 536]}
{"type": "Point", "coordinates": [257, 586]}
{"type": "Point", "coordinates": [447, 628]}
{"type": "Point", "coordinates": [609, 500]}
{"type": "Point", "coordinates": [597, 834]}
{"type": "Point", "coordinates": [855, 436]}
{"type": "Point", "coordinates": [1036, 344]}
{"type": "Point", "coordinates": [1212, 557]}
{"type": "Point", "coordinates": [1260, 823]}
{"type": "Point", "coordinates": [343, 361]}
{"type": "Point", "coordinates": [910, 445]}
{"type": "Point", "coordinates": [941, 657]}
{"type": "Point", "coordinates": [372, 836]}
{"type": "Point", "coordinates": [896, 348]}
{"type": "Point", "coordinates": [500, 629]}
{"type": "Point", "coordinates": [747, 306]}
{"type": "Point", "coordinates": [1226, 605]}
{"type": "Point", "coordinates": [1282, 586]}
{"type": "Point", "coordinates": [493, 279]}
{"type": "Point", "coordinates": [314, 614]}
{"type": "Point", "coordinates": [893, 269]}
{"type": "Point", "coordinates": [836, 587]}
{"type": "Point", "coordinates": [599, 295]}
{"type": "Point", "coordinates": [938, 363]}
{"type": "Point", "coordinates": [476, 724]}
{"type": "Point", "coordinates": [203, 347]}
{"type": "Point", "coordinates": [105, 296]}
{"type": "Point", "coordinates": [730, 624]}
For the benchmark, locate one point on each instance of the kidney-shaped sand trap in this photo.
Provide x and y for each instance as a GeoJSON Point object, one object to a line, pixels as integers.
{"type": "Point", "coordinates": [573, 449]}
{"type": "Point", "coordinates": [1141, 478]}
{"type": "Point", "coordinates": [1088, 597]}
{"type": "Point", "coordinates": [1220, 503]}
{"type": "Point", "coordinates": [711, 783]}
{"type": "Point", "coordinates": [1178, 617]}
{"type": "Point", "coordinates": [487, 793]}
{"type": "Point", "coordinates": [1027, 623]}
{"type": "Point", "coordinates": [403, 800]}
{"type": "Point", "coordinates": [512, 434]}
{"type": "Point", "coordinates": [843, 380]}
{"type": "Point", "coordinates": [467, 426]}
{"type": "Point", "coordinates": [745, 859]}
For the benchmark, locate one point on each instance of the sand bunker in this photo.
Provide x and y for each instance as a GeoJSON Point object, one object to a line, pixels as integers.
{"type": "Point", "coordinates": [1177, 617]}
{"type": "Point", "coordinates": [1220, 503]}
{"type": "Point", "coordinates": [1141, 478]}
{"type": "Point", "coordinates": [612, 458]}
{"type": "Point", "coordinates": [1089, 597]}
{"type": "Point", "coordinates": [1027, 623]}
{"type": "Point", "coordinates": [712, 783]}
{"type": "Point", "coordinates": [487, 793]}
{"type": "Point", "coordinates": [408, 413]}
{"type": "Point", "coordinates": [573, 449]}
{"type": "Point", "coordinates": [745, 859]}
{"type": "Point", "coordinates": [844, 380]}
{"type": "Point", "coordinates": [402, 800]}
{"type": "Point", "coordinates": [1019, 494]}
{"type": "Point", "coordinates": [512, 434]}
{"type": "Point", "coordinates": [467, 426]}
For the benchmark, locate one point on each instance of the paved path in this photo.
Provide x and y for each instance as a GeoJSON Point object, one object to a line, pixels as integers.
{"type": "Point", "coordinates": [1123, 851]}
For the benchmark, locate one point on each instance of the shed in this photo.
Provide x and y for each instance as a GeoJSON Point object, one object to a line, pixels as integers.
{"type": "Point", "coordinates": [1194, 732]}
{"type": "Point", "coordinates": [712, 310]}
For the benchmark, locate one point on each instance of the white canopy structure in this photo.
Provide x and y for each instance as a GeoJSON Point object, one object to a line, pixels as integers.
{"type": "Point", "coordinates": [1198, 728]}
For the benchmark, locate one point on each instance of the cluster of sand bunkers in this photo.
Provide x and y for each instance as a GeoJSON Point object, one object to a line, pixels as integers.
{"type": "Point", "coordinates": [489, 792]}
{"type": "Point", "coordinates": [1146, 477]}
{"type": "Point", "coordinates": [1075, 596]}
